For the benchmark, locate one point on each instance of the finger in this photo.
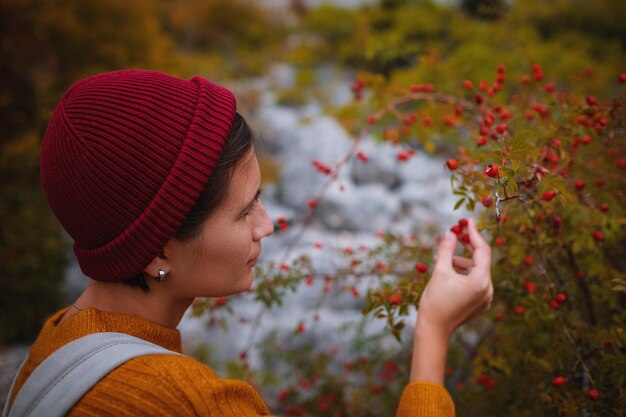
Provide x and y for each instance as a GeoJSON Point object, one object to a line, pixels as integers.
{"type": "Point", "coordinates": [462, 262]}
{"type": "Point", "coordinates": [482, 251]}
{"type": "Point", "coordinates": [445, 251]}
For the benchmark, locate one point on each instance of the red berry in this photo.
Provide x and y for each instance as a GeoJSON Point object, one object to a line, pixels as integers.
{"type": "Point", "coordinates": [518, 310]}
{"type": "Point", "coordinates": [593, 394]}
{"type": "Point", "coordinates": [362, 156]}
{"type": "Point", "coordinates": [468, 84]}
{"type": "Point", "coordinates": [501, 128]}
{"type": "Point", "coordinates": [530, 287]}
{"type": "Point", "coordinates": [482, 140]}
{"type": "Point", "coordinates": [464, 238]}
{"type": "Point", "coordinates": [500, 241]}
{"type": "Point", "coordinates": [620, 163]}
{"type": "Point", "coordinates": [586, 140]}
{"type": "Point", "coordinates": [376, 389]}
{"type": "Point", "coordinates": [394, 299]}
{"type": "Point", "coordinates": [600, 182]}
{"type": "Point", "coordinates": [372, 119]}
{"type": "Point", "coordinates": [483, 85]}
{"type": "Point", "coordinates": [622, 78]}
{"type": "Point", "coordinates": [591, 100]}
{"type": "Point", "coordinates": [603, 207]}
{"type": "Point", "coordinates": [558, 381]}
{"type": "Point", "coordinates": [312, 203]}
{"type": "Point", "coordinates": [491, 170]}
{"type": "Point", "coordinates": [528, 260]}
{"type": "Point", "coordinates": [556, 220]}
{"type": "Point", "coordinates": [579, 185]}
{"type": "Point", "coordinates": [598, 236]}
{"type": "Point", "coordinates": [549, 87]}
{"type": "Point", "coordinates": [478, 99]}
{"type": "Point", "coordinates": [490, 383]}
{"type": "Point", "coordinates": [499, 317]}
{"type": "Point", "coordinates": [456, 229]}
{"type": "Point", "coordinates": [554, 304]}
{"type": "Point", "coordinates": [482, 378]}
{"type": "Point", "coordinates": [452, 164]}
{"type": "Point", "coordinates": [463, 223]}
{"type": "Point", "coordinates": [487, 202]}
{"type": "Point", "coordinates": [421, 268]}
{"type": "Point", "coordinates": [410, 119]}
{"type": "Point", "coordinates": [560, 298]}
{"type": "Point", "coordinates": [548, 195]}
{"type": "Point", "coordinates": [581, 274]}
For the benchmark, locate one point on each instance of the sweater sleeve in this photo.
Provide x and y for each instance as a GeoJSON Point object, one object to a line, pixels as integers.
{"type": "Point", "coordinates": [168, 385]}
{"type": "Point", "coordinates": [425, 399]}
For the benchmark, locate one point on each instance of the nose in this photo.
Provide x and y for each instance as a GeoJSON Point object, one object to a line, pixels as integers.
{"type": "Point", "coordinates": [263, 226]}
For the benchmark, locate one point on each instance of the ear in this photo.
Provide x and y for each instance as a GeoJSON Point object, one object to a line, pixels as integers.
{"type": "Point", "coordinates": [160, 262]}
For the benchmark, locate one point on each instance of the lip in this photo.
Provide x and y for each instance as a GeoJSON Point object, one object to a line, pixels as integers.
{"type": "Point", "coordinates": [253, 261]}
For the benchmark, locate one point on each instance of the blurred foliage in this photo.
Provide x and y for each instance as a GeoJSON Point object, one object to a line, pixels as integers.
{"type": "Point", "coordinates": [437, 43]}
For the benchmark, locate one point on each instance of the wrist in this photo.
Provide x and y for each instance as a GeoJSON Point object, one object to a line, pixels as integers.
{"type": "Point", "coordinates": [430, 349]}
{"type": "Point", "coordinates": [433, 332]}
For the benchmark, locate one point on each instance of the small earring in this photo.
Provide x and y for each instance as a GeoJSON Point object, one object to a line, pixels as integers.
{"type": "Point", "coordinates": [161, 276]}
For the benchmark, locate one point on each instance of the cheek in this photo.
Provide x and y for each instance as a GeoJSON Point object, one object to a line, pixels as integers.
{"type": "Point", "coordinates": [227, 246]}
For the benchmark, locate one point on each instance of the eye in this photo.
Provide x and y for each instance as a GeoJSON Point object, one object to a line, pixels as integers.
{"type": "Point", "coordinates": [253, 205]}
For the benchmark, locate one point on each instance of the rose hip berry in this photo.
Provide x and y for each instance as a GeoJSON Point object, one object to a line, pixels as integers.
{"type": "Point", "coordinates": [548, 195]}
{"type": "Point", "coordinates": [421, 268]}
{"type": "Point", "coordinates": [530, 287]}
{"type": "Point", "coordinates": [452, 164]}
{"type": "Point", "coordinates": [598, 236]}
{"type": "Point", "coordinates": [491, 170]}
{"type": "Point", "coordinates": [558, 381]}
{"type": "Point", "coordinates": [394, 299]}
{"type": "Point", "coordinates": [593, 394]}
{"type": "Point", "coordinates": [560, 298]}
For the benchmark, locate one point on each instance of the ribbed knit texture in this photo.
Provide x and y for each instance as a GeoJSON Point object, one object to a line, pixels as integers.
{"type": "Point", "coordinates": [178, 386]}
{"type": "Point", "coordinates": [124, 159]}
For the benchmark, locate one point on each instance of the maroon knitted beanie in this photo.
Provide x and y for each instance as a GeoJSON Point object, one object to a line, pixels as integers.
{"type": "Point", "coordinates": [124, 159]}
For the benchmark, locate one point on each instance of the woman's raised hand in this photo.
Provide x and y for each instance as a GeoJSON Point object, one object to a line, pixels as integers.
{"type": "Point", "coordinates": [451, 298]}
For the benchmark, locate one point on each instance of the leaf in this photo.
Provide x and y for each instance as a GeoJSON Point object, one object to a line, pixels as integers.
{"type": "Point", "coordinates": [619, 288]}
{"type": "Point", "coordinates": [459, 203]}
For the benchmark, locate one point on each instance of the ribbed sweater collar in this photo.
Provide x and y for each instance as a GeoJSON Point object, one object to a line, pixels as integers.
{"type": "Point", "coordinates": [91, 320]}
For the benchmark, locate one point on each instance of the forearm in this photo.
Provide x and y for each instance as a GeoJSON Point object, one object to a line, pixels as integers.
{"type": "Point", "coordinates": [430, 349]}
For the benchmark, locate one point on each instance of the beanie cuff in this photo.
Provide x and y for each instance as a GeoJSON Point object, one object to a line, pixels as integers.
{"type": "Point", "coordinates": [133, 250]}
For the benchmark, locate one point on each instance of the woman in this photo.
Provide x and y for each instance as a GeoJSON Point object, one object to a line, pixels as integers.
{"type": "Point", "coordinates": [156, 180]}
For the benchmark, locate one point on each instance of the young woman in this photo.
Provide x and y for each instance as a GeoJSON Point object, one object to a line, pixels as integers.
{"type": "Point", "coordinates": [156, 180]}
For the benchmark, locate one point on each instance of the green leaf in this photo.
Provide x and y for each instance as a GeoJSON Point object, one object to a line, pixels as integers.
{"type": "Point", "coordinates": [459, 203]}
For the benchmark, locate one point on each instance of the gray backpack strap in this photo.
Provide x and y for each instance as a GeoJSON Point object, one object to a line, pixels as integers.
{"type": "Point", "coordinates": [66, 375]}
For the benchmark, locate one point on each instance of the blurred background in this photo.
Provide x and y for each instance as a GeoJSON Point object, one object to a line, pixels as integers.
{"type": "Point", "coordinates": [291, 64]}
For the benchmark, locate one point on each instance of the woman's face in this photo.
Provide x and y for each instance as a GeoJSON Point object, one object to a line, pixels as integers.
{"type": "Point", "coordinates": [219, 262]}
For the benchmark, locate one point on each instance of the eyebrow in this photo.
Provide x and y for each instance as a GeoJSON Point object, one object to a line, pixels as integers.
{"type": "Point", "coordinates": [254, 199]}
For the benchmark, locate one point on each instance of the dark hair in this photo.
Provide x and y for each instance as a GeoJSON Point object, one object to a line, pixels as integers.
{"type": "Point", "coordinates": [238, 143]}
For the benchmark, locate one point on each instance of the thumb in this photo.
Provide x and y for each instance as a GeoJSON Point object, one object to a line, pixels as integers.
{"type": "Point", "coordinates": [446, 249]}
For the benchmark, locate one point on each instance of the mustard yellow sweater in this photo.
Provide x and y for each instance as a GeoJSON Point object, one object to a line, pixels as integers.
{"type": "Point", "coordinates": [172, 385]}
